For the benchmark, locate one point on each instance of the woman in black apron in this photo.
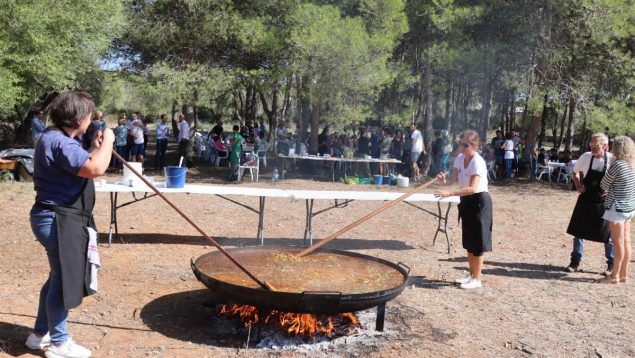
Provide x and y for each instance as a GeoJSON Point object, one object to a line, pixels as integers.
{"type": "Point", "coordinates": [65, 196]}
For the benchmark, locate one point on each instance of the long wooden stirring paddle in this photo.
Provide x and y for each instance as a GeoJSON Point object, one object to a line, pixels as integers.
{"type": "Point", "coordinates": [262, 284]}
{"type": "Point", "coordinates": [365, 218]}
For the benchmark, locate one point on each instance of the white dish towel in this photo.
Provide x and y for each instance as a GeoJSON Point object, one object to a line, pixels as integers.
{"type": "Point", "coordinates": [93, 258]}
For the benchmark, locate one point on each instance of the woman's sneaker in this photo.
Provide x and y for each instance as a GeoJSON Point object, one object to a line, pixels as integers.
{"type": "Point", "coordinates": [463, 280]}
{"type": "Point", "coordinates": [69, 349]}
{"type": "Point", "coordinates": [472, 283]}
{"type": "Point", "coordinates": [33, 341]}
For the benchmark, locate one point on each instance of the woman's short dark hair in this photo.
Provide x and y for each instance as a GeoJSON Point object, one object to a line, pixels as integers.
{"type": "Point", "coordinates": [236, 128]}
{"type": "Point", "coordinates": [70, 108]}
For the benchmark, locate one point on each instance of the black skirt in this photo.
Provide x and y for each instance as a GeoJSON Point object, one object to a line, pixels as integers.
{"type": "Point", "coordinates": [475, 214]}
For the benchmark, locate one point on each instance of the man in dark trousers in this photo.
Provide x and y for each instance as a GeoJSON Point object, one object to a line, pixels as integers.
{"type": "Point", "coordinates": [586, 221]}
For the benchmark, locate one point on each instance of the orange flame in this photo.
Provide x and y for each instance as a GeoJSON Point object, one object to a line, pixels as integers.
{"type": "Point", "coordinates": [297, 324]}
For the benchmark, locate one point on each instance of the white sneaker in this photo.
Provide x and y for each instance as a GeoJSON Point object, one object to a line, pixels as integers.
{"type": "Point", "coordinates": [463, 280]}
{"type": "Point", "coordinates": [33, 341]}
{"type": "Point", "coordinates": [69, 349]}
{"type": "Point", "coordinates": [472, 283]}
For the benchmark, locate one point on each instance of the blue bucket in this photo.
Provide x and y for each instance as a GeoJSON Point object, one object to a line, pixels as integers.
{"type": "Point", "coordinates": [175, 176]}
{"type": "Point", "coordinates": [378, 179]}
{"type": "Point", "coordinates": [386, 180]}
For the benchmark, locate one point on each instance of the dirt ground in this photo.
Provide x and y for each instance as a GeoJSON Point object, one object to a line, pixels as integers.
{"type": "Point", "coordinates": [151, 305]}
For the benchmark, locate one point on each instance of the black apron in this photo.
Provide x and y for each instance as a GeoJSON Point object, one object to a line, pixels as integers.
{"type": "Point", "coordinates": [72, 219]}
{"type": "Point", "coordinates": [586, 221]}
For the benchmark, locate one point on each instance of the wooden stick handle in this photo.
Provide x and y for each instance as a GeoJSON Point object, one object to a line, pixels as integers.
{"type": "Point", "coordinates": [207, 237]}
{"type": "Point", "coordinates": [365, 218]}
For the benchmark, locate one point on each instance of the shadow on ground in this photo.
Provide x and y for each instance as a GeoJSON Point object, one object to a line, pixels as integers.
{"type": "Point", "coordinates": [341, 244]}
{"type": "Point", "coordinates": [12, 337]}
{"type": "Point", "coordinates": [191, 317]}
{"type": "Point", "coordinates": [423, 282]}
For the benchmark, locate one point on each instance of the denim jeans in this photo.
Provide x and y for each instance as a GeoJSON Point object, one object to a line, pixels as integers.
{"type": "Point", "coordinates": [162, 146]}
{"type": "Point", "coordinates": [508, 168]}
{"type": "Point", "coordinates": [122, 151]}
{"type": "Point", "coordinates": [51, 314]}
{"type": "Point", "coordinates": [578, 249]}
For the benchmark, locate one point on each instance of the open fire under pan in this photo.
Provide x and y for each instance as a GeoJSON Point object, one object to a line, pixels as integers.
{"type": "Point", "coordinates": [325, 282]}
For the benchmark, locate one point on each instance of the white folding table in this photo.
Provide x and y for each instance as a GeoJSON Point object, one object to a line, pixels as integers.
{"type": "Point", "coordinates": [341, 198]}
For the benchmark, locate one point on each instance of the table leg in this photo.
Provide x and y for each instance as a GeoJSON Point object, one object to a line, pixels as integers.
{"type": "Point", "coordinates": [112, 218]}
{"type": "Point", "coordinates": [261, 221]}
{"type": "Point", "coordinates": [333, 171]}
{"type": "Point", "coordinates": [443, 220]}
{"type": "Point", "coordinates": [308, 222]}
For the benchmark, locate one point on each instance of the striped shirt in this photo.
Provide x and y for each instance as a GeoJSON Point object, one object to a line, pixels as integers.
{"type": "Point", "coordinates": [619, 182]}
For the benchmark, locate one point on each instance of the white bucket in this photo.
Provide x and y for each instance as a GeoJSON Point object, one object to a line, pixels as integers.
{"type": "Point", "coordinates": [403, 182]}
{"type": "Point", "coordinates": [129, 178]}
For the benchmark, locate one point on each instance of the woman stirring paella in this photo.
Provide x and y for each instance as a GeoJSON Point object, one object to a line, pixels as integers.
{"type": "Point", "coordinates": [475, 209]}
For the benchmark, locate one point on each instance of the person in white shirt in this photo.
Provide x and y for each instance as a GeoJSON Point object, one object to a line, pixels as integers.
{"type": "Point", "coordinates": [508, 147]}
{"type": "Point", "coordinates": [163, 132]}
{"type": "Point", "coordinates": [184, 137]}
{"type": "Point", "coordinates": [416, 150]}
{"type": "Point", "coordinates": [37, 126]}
{"type": "Point", "coordinates": [136, 150]}
{"type": "Point", "coordinates": [475, 210]}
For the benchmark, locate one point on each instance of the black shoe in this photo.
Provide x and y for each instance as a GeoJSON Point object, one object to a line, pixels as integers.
{"type": "Point", "coordinates": [609, 270]}
{"type": "Point", "coordinates": [573, 266]}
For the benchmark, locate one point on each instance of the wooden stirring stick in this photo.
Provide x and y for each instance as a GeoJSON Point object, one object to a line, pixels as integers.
{"type": "Point", "coordinates": [365, 218]}
{"type": "Point", "coordinates": [262, 284]}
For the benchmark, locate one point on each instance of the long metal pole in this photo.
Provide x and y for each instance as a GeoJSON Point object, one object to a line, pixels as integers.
{"type": "Point", "coordinates": [262, 284]}
{"type": "Point", "coordinates": [368, 216]}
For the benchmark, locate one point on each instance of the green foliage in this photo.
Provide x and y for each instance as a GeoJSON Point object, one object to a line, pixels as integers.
{"type": "Point", "coordinates": [48, 45]}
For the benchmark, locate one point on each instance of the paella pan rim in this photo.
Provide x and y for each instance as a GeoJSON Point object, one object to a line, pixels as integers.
{"type": "Point", "coordinates": [301, 302]}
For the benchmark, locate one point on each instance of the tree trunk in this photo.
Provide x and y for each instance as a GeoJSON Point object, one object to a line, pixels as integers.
{"type": "Point", "coordinates": [503, 108]}
{"type": "Point", "coordinates": [194, 114]}
{"type": "Point", "coordinates": [543, 120]}
{"type": "Point", "coordinates": [271, 113]}
{"type": "Point", "coordinates": [488, 94]}
{"type": "Point", "coordinates": [562, 121]}
{"type": "Point", "coordinates": [466, 102]}
{"type": "Point", "coordinates": [530, 140]}
{"type": "Point", "coordinates": [449, 94]}
{"type": "Point", "coordinates": [569, 138]}
{"type": "Point", "coordinates": [512, 110]}
{"type": "Point", "coordinates": [458, 99]}
{"type": "Point", "coordinates": [175, 125]}
{"type": "Point", "coordinates": [427, 120]}
{"type": "Point", "coordinates": [315, 122]}
{"type": "Point", "coordinates": [286, 103]}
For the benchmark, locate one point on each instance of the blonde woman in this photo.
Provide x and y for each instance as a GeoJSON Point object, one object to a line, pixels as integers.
{"type": "Point", "coordinates": [619, 184]}
{"type": "Point", "coordinates": [475, 209]}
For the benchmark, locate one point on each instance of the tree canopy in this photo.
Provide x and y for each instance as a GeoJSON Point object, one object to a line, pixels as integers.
{"type": "Point", "coordinates": [554, 70]}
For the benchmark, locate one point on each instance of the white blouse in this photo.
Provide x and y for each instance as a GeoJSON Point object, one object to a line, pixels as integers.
{"type": "Point", "coordinates": [477, 166]}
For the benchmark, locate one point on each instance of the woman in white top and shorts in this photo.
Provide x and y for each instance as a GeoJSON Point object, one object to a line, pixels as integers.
{"type": "Point", "coordinates": [475, 209]}
{"type": "Point", "coordinates": [619, 205]}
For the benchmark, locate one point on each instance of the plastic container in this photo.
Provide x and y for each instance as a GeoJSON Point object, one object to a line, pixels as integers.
{"type": "Point", "coordinates": [175, 176]}
{"type": "Point", "coordinates": [274, 175]}
{"type": "Point", "coordinates": [130, 178]}
{"type": "Point", "coordinates": [403, 182]}
{"type": "Point", "coordinates": [364, 180]}
{"type": "Point", "coordinates": [387, 179]}
{"type": "Point", "coordinates": [378, 179]}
